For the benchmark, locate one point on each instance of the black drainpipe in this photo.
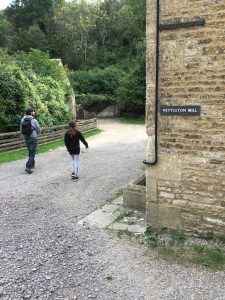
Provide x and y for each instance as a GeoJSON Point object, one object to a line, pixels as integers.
{"type": "Point", "coordinates": [156, 89]}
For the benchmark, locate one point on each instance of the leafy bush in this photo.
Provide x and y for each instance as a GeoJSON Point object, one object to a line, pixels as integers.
{"type": "Point", "coordinates": [131, 92]}
{"type": "Point", "coordinates": [41, 64]}
{"type": "Point", "coordinates": [29, 83]}
{"type": "Point", "coordinates": [11, 98]}
{"type": "Point", "coordinates": [96, 81]}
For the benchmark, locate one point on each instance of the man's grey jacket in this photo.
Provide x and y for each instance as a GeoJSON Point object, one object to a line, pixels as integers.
{"type": "Point", "coordinates": [35, 125]}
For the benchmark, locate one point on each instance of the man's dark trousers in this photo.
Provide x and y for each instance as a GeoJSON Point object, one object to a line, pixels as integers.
{"type": "Point", "coordinates": [31, 146]}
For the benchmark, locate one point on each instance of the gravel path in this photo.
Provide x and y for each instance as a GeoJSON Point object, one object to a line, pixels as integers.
{"type": "Point", "coordinates": [44, 254]}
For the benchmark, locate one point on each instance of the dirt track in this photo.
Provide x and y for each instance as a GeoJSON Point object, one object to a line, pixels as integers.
{"type": "Point", "coordinates": [44, 255]}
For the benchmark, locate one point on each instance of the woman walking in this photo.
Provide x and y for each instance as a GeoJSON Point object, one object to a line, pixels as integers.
{"type": "Point", "coordinates": [72, 140]}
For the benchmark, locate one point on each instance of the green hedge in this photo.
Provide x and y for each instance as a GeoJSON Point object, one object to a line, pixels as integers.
{"type": "Point", "coordinates": [96, 81]}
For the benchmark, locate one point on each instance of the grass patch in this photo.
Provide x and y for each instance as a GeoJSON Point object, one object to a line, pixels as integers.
{"type": "Point", "coordinates": [212, 255]}
{"type": "Point", "coordinates": [12, 155]}
{"type": "Point", "coordinates": [19, 154]}
{"type": "Point", "coordinates": [152, 239]}
{"type": "Point", "coordinates": [50, 146]}
{"type": "Point", "coordinates": [175, 248]}
{"type": "Point", "coordinates": [178, 237]}
{"type": "Point", "coordinates": [133, 120]}
{"type": "Point", "coordinates": [92, 133]}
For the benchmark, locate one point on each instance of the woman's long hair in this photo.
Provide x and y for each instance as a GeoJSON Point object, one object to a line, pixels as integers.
{"type": "Point", "coordinates": [72, 129]}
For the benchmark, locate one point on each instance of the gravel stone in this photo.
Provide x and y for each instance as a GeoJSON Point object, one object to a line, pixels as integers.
{"type": "Point", "coordinates": [46, 256]}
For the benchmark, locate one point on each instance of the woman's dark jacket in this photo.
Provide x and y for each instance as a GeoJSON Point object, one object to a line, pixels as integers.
{"type": "Point", "coordinates": [73, 142]}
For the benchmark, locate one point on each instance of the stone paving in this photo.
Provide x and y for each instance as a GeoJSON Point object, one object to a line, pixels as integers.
{"type": "Point", "coordinates": [114, 216]}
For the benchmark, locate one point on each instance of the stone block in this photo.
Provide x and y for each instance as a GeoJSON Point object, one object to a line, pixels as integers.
{"type": "Point", "coordinates": [163, 216]}
{"type": "Point", "coordinates": [172, 51]}
{"type": "Point", "coordinates": [168, 168]}
{"type": "Point", "coordinates": [134, 194]}
{"type": "Point", "coordinates": [151, 190]}
{"type": "Point", "coordinates": [134, 199]}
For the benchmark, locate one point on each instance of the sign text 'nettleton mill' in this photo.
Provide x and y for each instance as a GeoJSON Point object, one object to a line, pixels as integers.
{"type": "Point", "coordinates": [193, 110]}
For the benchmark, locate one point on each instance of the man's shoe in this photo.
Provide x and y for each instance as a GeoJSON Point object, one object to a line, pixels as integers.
{"type": "Point", "coordinates": [72, 175]}
{"type": "Point", "coordinates": [29, 171]}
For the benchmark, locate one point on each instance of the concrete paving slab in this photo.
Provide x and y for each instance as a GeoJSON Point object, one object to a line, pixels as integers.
{"type": "Point", "coordinates": [103, 217]}
{"type": "Point", "coordinates": [107, 216]}
{"type": "Point", "coordinates": [136, 228]}
{"type": "Point", "coordinates": [118, 201]}
{"type": "Point", "coordinates": [109, 208]}
{"type": "Point", "coordinates": [118, 226]}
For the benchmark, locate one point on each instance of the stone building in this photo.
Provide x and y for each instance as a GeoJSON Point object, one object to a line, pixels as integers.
{"type": "Point", "coordinates": [186, 115]}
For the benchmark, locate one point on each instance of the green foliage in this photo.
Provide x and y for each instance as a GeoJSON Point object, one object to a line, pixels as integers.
{"type": "Point", "coordinates": [96, 88]}
{"type": "Point", "coordinates": [23, 13]}
{"type": "Point", "coordinates": [6, 31]}
{"type": "Point", "coordinates": [13, 93]}
{"type": "Point", "coordinates": [174, 245]}
{"type": "Point", "coordinates": [73, 24]}
{"type": "Point", "coordinates": [152, 239]}
{"type": "Point", "coordinates": [131, 93]}
{"type": "Point", "coordinates": [86, 35]}
{"type": "Point", "coordinates": [211, 255]}
{"type": "Point", "coordinates": [178, 237]}
{"type": "Point", "coordinates": [96, 81]}
{"type": "Point", "coordinates": [94, 103]}
{"type": "Point", "coordinates": [41, 64]}
{"type": "Point", "coordinates": [25, 39]}
{"type": "Point", "coordinates": [25, 80]}
{"type": "Point", "coordinates": [127, 88]}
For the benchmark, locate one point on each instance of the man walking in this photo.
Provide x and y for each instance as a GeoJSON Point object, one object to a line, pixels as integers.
{"type": "Point", "coordinates": [30, 129]}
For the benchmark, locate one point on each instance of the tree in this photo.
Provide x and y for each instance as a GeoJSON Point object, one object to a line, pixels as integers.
{"type": "Point", "coordinates": [25, 39]}
{"type": "Point", "coordinates": [24, 13]}
{"type": "Point", "coordinates": [73, 23]}
{"type": "Point", "coordinates": [6, 32]}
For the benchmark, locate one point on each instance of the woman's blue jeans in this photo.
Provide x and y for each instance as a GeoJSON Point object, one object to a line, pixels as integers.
{"type": "Point", "coordinates": [31, 147]}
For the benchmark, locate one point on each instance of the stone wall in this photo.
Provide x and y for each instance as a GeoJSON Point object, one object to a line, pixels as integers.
{"type": "Point", "coordinates": [112, 111]}
{"type": "Point", "coordinates": [186, 188]}
{"type": "Point", "coordinates": [134, 194]}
